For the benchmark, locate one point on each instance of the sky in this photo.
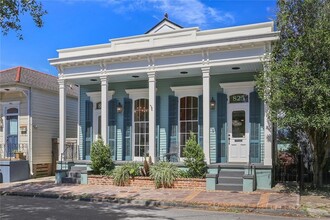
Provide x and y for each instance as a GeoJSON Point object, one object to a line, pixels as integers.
{"type": "Point", "coordinates": [74, 23]}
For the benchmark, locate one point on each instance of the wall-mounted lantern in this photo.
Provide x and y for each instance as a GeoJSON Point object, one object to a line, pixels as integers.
{"type": "Point", "coordinates": [119, 107]}
{"type": "Point", "coordinates": [212, 104]}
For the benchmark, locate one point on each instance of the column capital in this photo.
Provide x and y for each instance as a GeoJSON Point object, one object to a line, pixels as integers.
{"type": "Point", "coordinates": [104, 78]}
{"type": "Point", "coordinates": [61, 83]}
{"type": "Point", "coordinates": [206, 71]}
{"type": "Point", "coordinates": [152, 74]}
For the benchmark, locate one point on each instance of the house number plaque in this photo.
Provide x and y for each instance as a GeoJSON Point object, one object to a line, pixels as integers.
{"type": "Point", "coordinates": [238, 98]}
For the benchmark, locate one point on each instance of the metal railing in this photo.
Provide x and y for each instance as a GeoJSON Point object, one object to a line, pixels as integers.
{"type": "Point", "coordinates": [70, 153]}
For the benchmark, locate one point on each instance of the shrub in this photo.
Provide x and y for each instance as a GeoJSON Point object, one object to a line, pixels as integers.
{"type": "Point", "coordinates": [194, 158]}
{"type": "Point", "coordinates": [164, 174]}
{"type": "Point", "coordinates": [101, 158]}
{"type": "Point", "coordinates": [122, 174]}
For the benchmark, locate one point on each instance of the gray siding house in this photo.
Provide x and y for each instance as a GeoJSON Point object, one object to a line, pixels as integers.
{"type": "Point", "coordinates": [29, 116]}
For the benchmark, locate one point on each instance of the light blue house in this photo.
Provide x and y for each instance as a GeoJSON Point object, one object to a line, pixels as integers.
{"type": "Point", "coordinates": [143, 95]}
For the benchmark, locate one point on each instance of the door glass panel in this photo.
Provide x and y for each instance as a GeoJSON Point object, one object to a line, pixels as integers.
{"type": "Point", "coordinates": [99, 126]}
{"type": "Point", "coordinates": [12, 125]}
{"type": "Point", "coordinates": [141, 125]}
{"type": "Point", "coordinates": [238, 124]}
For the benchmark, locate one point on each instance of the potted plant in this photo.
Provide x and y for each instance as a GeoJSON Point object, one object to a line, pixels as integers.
{"type": "Point", "coordinates": [18, 155]}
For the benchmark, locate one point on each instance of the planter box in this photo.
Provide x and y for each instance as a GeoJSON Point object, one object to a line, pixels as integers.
{"type": "Point", "coordinates": [15, 170]}
{"type": "Point", "coordinates": [146, 182]}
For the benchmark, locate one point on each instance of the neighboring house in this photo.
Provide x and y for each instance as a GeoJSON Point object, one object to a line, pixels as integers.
{"type": "Point", "coordinates": [29, 116]}
{"type": "Point", "coordinates": [143, 95]}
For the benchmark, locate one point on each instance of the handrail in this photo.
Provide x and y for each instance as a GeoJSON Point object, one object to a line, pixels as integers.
{"type": "Point", "coordinates": [64, 155]}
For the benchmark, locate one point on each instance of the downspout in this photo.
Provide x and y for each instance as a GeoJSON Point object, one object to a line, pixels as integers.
{"type": "Point", "coordinates": [30, 133]}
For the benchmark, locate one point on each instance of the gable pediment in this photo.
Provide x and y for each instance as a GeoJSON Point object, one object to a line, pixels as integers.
{"type": "Point", "coordinates": [164, 25]}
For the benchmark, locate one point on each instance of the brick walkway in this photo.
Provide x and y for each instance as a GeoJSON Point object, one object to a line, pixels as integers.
{"type": "Point", "coordinates": [45, 187]}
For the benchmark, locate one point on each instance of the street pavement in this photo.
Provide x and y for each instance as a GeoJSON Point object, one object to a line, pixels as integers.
{"type": "Point", "coordinates": [261, 201]}
{"type": "Point", "coordinates": [34, 208]}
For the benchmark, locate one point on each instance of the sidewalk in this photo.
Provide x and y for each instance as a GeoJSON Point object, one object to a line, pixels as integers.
{"type": "Point", "coordinates": [45, 187]}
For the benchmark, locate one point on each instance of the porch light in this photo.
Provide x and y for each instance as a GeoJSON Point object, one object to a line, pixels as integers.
{"type": "Point", "coordinates": [119, 107]}
{"type": "Point", "coordinates": [212, 104]}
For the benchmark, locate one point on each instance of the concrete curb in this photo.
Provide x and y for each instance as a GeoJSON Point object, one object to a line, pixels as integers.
{"type": "Point", "coordinates": [156, 203]}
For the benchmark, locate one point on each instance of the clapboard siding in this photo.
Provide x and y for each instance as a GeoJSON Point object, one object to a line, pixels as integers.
{"type": "Point", "coordinates": [45, 120]}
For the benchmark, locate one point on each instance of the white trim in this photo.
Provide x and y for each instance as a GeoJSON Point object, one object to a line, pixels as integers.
{"type": "Point", "coordinates": [96, 96]}
{"type": "Point", "coordinates": [10, 103]}
{"type": "Point", "coordinates": [183, 91]}
{"type": "Point", "coordinates": [236, 85]}
{"type": "Point", "coordinates": [78, 126]}
{"type": "Point", "coordinates": [135, 94]}
{"type": "Point", "coordinates": [5, 106]}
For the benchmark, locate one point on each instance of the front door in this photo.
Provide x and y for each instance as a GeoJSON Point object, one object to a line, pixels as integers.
{"type": "Point", "coordinates": [238, 145]}
{"type": "Point", "coordinates": [11, 134]}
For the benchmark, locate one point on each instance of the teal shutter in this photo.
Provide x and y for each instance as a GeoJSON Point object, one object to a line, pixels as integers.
{"type": "Point", "coordinates": [88, 129]}
{"type": "Point", "coordinates": [127, 145]}
{"type": "Point", "coordinates": [255, 127]}
{"type": "Point", "coordinates": [200, 120]}
{"type": "Point", "coordinates": [112, 117]}
{"type": "Point", "coordinates": [172, 124]}
{"type": "Point", "coordinates": [222, 128]}
{"type": "Point", "coordinates": [157, 126]}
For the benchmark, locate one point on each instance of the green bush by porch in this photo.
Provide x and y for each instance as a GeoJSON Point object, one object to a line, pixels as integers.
{"type": "Point", "coordinates": [101, 158]}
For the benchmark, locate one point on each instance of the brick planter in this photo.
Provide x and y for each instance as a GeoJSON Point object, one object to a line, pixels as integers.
{"type": "Point", "coordinates": [146, 182]}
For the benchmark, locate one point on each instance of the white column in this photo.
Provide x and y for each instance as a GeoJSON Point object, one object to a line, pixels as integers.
{"type": "Point", "coordinates": [206, 113]}
{"type": "Point", "coordinates": [152, 115]}
{"type": "Point", "coordinates": [62, 131]}
{"type": "Point", "coordinates": [268, 137]}
{"type": "Point", "coordinates": [104, 108]}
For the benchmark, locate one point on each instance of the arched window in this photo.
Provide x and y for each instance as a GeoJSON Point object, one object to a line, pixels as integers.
{"type": "Point", "coordinates": [141, 127]}
{"type": "Point", "coordinates": [12, 111]}
{"type": "Point", "coordinates": [188, 119]}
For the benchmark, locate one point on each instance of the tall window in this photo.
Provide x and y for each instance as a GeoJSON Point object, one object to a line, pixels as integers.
{"type": "Point", "coordinates": [141, 127]}
{"type": "Point", "coordinates": [188, 119]}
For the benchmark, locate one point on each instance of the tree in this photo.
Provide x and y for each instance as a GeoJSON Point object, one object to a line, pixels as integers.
{"type": "Point", "coordinates": [11, 10]}
{"type": "Point", "coordinates": [295, 82]}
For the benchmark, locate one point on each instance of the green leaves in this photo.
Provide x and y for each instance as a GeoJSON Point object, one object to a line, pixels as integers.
{"type": "Point", "coordinates": [11, 10]}
{"type": "Point", "coordinates": [297, 72]}
{"type": "Point", "coordinates": [164, 174]}
{"type": "Point", "coordinates": [122, 174]}
{"type": "Point", "coordinates": [194, 158]}
{"type": "Point", "coordinates": [101, 158]}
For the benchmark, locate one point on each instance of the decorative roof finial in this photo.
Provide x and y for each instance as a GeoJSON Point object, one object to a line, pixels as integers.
{"type": "Point", "coordinates": [166, 15]}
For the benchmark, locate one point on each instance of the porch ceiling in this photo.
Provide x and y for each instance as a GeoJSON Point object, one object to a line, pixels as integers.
{"type": "Point", "coordinates": [215, 70]}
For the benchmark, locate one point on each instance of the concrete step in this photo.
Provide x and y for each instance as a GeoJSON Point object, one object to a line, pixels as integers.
{"type": "Point", "coordinates": [230, 180]}
{"type": "Point", "coordinates": [78, 168]}
{"type": "Point", "coordinates": [231, 173]}
{"type": "Point", "coordinates": [229, 187]}
{"type": "Point", "coordinates": [71, 180]}
{"type": "Point", "coordinates": [74, 174]}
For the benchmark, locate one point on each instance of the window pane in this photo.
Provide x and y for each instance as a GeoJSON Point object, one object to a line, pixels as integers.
{"type": "Point", "coordinates": [182, 102]}
{"type": "Point", "coordinates": [99, 126]}
{"type": "Point", "coordinates": [182, 114]}
{"type": "Point", "coordinates": [189, 102]}
{"type": "Point", "coordinates": [194, 114]}
{"type": "Point", "coordinates": [238, 124]}
{"type": "Point", "coordinates": [195, 102]}
{"type": "Point", "coordinates": [137, 139]}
